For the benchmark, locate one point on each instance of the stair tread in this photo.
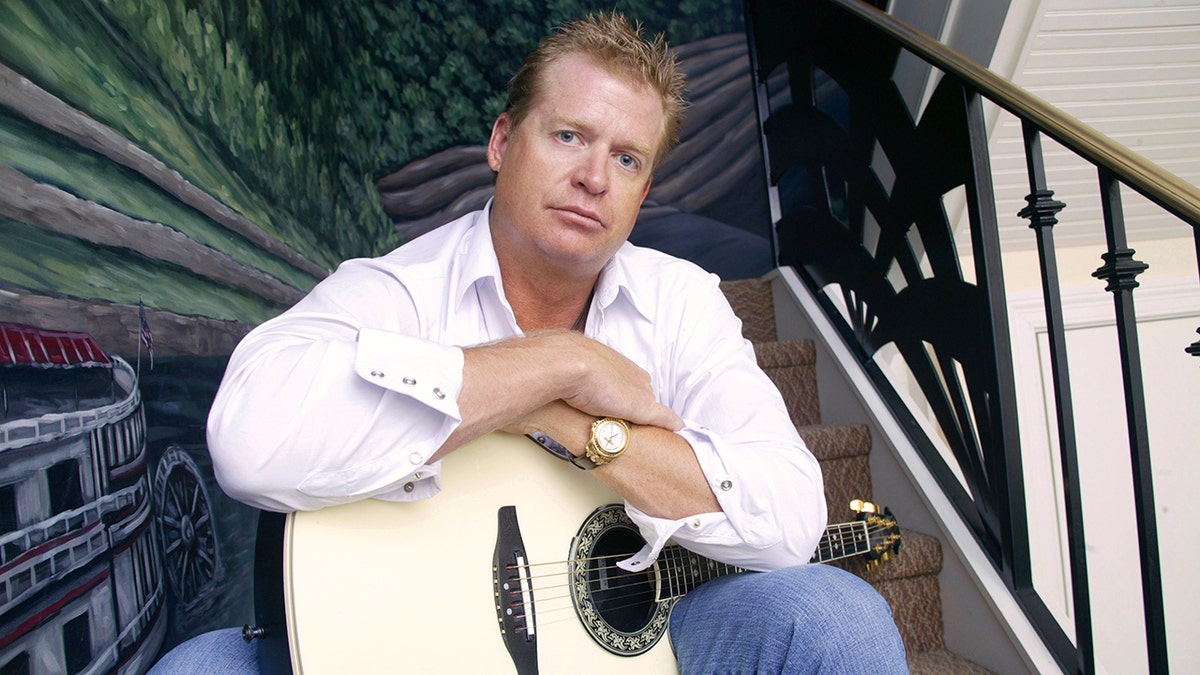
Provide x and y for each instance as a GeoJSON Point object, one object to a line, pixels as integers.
{"type": "Point", "coordinates": [777, 353]}
{"type": "Point", "coordinates": [752, 301]}
{"type": "Point", "coordinates": [942, 661]}
{"type": "Point", "coordinates": [791, 365]}
{"type": "Point", "coordinates": [836, 441]}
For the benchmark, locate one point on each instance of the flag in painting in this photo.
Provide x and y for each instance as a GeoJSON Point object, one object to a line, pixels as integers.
{"type": "Point", "coordinates": [147, 337]}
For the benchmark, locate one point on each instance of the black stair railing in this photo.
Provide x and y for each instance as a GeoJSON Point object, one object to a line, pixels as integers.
{"type": "Point", "coordinates": [858, 186]}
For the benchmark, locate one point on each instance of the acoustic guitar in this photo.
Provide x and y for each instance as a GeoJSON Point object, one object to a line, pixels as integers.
{"type": "Point", "coordinates": [512, 568]}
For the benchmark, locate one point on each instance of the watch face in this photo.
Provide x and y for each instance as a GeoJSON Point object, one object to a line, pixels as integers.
{"type": "Point", "coordinates": [611, 436]}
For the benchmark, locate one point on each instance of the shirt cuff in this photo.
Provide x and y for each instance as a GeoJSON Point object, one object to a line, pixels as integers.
{"type": "Point", "coordinates": [739, 524]}
{"type": "Point", "coordinates": [420, 369]}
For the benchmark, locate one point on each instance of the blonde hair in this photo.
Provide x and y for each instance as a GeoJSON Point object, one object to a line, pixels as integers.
{"type": "Point", "coordinates": [620, 48]}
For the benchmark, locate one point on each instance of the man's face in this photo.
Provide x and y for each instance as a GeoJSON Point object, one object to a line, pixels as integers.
{"type": "Point", "coordinates": [572, 177]}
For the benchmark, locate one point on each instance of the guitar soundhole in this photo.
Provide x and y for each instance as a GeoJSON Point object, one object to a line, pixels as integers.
{"type": "Point", "coordinates": [625, 600]}
{"type": "Point", "coordinates": [617, 608]}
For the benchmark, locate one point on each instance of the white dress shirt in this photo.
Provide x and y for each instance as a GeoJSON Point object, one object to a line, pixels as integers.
{"type": "Point", "coordinates": [349, 393]}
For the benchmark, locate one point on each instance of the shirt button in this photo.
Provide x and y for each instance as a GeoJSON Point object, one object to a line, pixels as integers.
{"type": "Point", "coordinates": [409, 381]}
{"type": "Point", "coordinates": [414, 458]}
{"type": "Point", "coordinates": [409, 487]}
{"type": "Point", "coordinates": [377, 373]}
{"type": "Point", "coordinates": [696, 523]}
{"type": "Point", "coordinates": [727, 485]}
{"type": "Point", "coordinates": [438, 393]}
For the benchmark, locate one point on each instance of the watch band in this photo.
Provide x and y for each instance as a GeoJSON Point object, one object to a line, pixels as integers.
{"type": "Point", "coordinates": [560, 451]}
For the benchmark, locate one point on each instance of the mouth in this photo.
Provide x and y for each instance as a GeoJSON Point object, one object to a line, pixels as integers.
{"type": "Point", "coordinates": [581, 215]}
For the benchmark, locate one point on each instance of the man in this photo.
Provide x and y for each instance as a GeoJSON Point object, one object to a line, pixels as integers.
{"type": "Point", "coordinates": [534, 316]}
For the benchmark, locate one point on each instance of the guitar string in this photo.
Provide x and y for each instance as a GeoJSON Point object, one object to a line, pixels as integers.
{"type": "Point", "coordinates": [553, 609]}
{"type": "Point", "coordinates": [668, 550]}
{"type": "Point", "coordinates": [549, 605]}
{"type": "Point", "coordinates": [529, 566]}
{"type": "Point", "coordinates": [692, 558]}
{"type": "Point", "coordinates": [627, 580]}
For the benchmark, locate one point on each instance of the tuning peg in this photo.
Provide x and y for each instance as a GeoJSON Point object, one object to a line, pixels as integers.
{"type": "Point", "coordinates": [860, 506]}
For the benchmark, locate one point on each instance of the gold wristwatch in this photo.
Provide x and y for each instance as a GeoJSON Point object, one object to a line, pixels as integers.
{"type": "Point", "coordinates": [610, 437]}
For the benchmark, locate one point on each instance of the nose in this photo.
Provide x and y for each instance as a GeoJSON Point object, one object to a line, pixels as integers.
{"type": "Point", "coordinates": [591, 172]}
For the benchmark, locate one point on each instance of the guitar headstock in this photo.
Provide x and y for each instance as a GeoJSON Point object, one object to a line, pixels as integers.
{"type": "Point", "coordinates": [883, 532]}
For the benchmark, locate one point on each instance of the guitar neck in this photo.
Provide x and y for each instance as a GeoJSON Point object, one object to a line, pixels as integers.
{"type": "Point", "coordinates": [843, 540]}
{"type": "Point", "coordinates": [681, 570]}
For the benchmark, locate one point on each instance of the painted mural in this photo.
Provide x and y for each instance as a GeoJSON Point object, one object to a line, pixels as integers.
{"type": "Point", "coordinates": [174, 173]}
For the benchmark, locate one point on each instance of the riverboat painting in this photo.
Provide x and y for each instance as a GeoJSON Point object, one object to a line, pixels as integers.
{"type": "Point", "coordinates": [108, 529]}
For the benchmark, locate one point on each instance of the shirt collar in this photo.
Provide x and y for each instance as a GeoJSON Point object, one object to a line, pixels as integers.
{"type": "Point", "coordinates": [617, 281]}
{"type": "Point", "coordinates": [480, 265]}
{"type": "Point", "coordinates": [478, 258]}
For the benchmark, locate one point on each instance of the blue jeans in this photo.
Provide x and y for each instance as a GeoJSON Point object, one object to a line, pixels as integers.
{"type": "Point", "coordinates": [221, 652]}
{"type": "Point", "coordinates": [805, 619]}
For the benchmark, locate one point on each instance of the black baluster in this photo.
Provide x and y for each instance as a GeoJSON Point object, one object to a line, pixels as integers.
{"type": "Point", "coordinates": [1120, 270]}
{"type": "Point", "coordinates": [1042, 213]}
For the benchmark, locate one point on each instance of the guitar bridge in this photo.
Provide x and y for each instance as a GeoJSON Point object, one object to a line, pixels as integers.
{"type": "Point", "coordinates": [514, 593]}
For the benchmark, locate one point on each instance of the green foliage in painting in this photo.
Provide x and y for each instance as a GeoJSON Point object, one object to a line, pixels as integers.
{"type": "Point", "coordinates": [314, 101]}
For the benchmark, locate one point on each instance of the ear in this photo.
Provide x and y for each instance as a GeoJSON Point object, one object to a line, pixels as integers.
{"type": "Point", "coordinates": [501, 131]}
{"type": "Point", "coordinates": [646, 190]}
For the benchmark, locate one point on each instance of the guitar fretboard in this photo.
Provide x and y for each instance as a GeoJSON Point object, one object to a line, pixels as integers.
{"type": "Point", "coordinates": [842, 541]}
{"type": "Point", "coordinates": [681, 570]}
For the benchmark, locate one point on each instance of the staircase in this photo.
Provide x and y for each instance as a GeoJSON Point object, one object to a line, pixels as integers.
{"type": "Point", "coordinates": [909, 580]}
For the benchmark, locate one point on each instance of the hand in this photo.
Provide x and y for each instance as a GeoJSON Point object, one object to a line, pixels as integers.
{"type": "Point", "coordinates": [509, 383]}
{"type": "Point", "coordinates": [612, 385]}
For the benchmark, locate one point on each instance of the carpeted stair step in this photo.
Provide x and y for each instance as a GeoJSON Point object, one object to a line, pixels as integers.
{"type": "Point", "coordinates": [792, 366]}
{"type": "Point", "coordinates": [752, 301]}
{"type": "Point", "coordinates": [942, 662]}
{"type": "Point", "coordinates": [843, 452]}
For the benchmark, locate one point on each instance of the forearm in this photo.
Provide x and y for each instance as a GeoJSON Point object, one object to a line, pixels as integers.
{"type": "Point", "coordinates": [658, 473]}
{"type": "Point", "coordinates": [758, 505]}
{"type": "Point", "coordinates": [507, 380]}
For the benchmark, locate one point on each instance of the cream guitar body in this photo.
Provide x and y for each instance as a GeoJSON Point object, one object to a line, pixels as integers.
{"type": "Point", "coordinates": [511, 569]}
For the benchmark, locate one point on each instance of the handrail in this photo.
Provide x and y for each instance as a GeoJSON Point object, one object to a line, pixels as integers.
{"type": "Point", "coordinates": [1160, 186]}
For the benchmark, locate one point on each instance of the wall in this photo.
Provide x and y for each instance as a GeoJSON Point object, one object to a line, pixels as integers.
{"type": "Point", "coordinates": [1168, 310]}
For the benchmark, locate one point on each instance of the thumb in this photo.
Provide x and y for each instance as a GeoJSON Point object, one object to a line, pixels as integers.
{"type": "Point", "coordinates": [661, 416]}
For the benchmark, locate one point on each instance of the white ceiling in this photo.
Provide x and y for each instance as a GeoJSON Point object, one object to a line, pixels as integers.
{"type": "Point", "coordinates": [1128, 68]}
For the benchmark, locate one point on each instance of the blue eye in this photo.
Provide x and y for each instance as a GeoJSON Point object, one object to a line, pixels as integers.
{"type": "Point", "coordinates": [627, 161]}
{"type": "Point", "coordinates": [566, 136]}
